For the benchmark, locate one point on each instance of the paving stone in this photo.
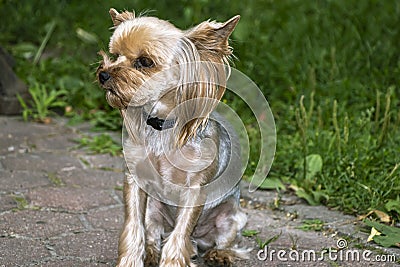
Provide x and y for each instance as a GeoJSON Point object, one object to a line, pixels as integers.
{"type": "Point", "coordinates": [21, 180]}
{"type": "Point", "coordinates": [75, 263]}
{"type": "Point", "coordinates": [105, 162]}
{"type": "Point", "coordinates": [45, 161]}
{"type": "Point", "coordinates": [120, 194]}
{"type": "Point", "coordinates": [11, 145]}
{"type": "Point", "coordinates": [20, 252]}
{"type": "Point", "coordinates": [91, 178]}
{"type": "Point", "coordinates": [85, 212]}
{"type": "Point", "coordinates": [53, 142]}
{"type": "Point", "coordinates": [111, 218]}
{"type": "Point", "coordinates": [99, 246]}
{"type": "Point", "coordinates": [72, 199]}
{"type": "Point", "coordinates": [39, 138]}
{"type": "Point", "coordinates": [38, 224]}
{"type": "Point", "coordinates": [16, 127]}
{"type": "Point", "coordinates": [7, 202]}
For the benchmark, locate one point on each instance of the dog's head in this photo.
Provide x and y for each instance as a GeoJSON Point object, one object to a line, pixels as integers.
{"type": "Point", "coordinates": [152, 59]}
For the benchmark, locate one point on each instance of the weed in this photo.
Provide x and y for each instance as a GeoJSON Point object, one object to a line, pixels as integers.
{"type": "Point", "coordinates": [384, 235]}
{"type": "Point", "coordinates": [84, 161]}
{"type": "Point", "coordinates": [42, 104]}
{"type": "Point", "coordinates": [312, 225]}
{"type": "Point", "coordinates": [102, 143]}
{"type": "Point", "coordinates": [118, 188]}
{"type": "Point", "coordinates": [55, 180]}
{"type": "Point", "coordinates": [22, 203]}
{"type": "Point", "coordinates": [261, 244]}
{"type": "Point", "coordinates": [40, 50]}
{"type": "Point", "coordinates": [293, 240]}
{"type": "Point", "coordinates": [250, 233]}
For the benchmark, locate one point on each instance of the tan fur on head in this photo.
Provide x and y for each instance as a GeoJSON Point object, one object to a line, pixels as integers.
{"type": "Point", "coordinates": [209, 41]}
{"type": "Point", "coordinates": [201, 52]}
{"type": "Point", "coordinates": [212, 37]}
{"type": "Point", "coordinates": [118, 18]}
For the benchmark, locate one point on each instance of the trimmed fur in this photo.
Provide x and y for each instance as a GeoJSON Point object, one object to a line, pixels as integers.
{"type": "Point", "coordinates": [183, 77]}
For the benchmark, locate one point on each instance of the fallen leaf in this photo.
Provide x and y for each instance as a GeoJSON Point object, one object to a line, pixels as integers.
{"type": "Point", "coordinates": [382, 216]}
{"type": "Point", "coordinates": [373, 233]}
{"type": "Point", "coordinates": [362, 217]}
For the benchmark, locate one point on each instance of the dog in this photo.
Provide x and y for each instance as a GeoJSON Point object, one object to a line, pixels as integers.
{"type": "Point", "coordinates": [181, 191]}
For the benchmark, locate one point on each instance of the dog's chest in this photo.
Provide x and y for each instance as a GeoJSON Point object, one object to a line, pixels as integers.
{"type": "Point", "coordinates": [187, 166]}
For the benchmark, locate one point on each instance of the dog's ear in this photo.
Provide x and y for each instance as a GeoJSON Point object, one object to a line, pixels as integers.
{"type": "Point", "coordinates": [118, 18]}
{"type": "Point", "coordinates": [202, 85]}
{"type": "Point", "coordinates": [203, 75]}
{"type": "Point", "coordinates": [213, 36]}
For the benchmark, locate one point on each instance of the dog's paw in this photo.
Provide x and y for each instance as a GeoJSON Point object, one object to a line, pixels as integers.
{"type": "Point", "coordinates": [130, 261]}
{"type": "Point", "coordinates": [177, 264]}
{"type": "Point", "coordinates": [175, 260]}
{"type": "Point", "coordinates": [177, 252]}
{"type": "Point", "coordinates": [219, 257]}
{"type": "Point", "coordinates": [152, 256]}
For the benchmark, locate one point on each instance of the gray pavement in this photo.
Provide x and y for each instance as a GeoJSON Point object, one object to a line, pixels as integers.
{"type": "Point", "coordinates": [62, 206]}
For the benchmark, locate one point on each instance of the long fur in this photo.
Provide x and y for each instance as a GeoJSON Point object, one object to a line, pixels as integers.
{"type": "Point", "coordinates": [167, 208]}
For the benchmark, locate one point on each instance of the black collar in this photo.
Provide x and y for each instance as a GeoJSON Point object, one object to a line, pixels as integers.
{"type": "Point", "coordinates": [158, 124]}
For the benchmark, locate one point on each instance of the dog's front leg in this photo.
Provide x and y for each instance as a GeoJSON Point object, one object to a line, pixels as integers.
{"type": "Point", "coordinates": [178, 248]}
{"type": "Point", "coordinates": [131, 247]}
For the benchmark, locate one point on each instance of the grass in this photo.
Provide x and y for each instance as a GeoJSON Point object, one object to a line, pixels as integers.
{"type": "Point", "coordinates": [42, 103]}
{"type": "Point", "coordinates": [102, 144]}
{"type": "Point", "coordinates": [311, 225]}
{"type": "Point", "coordinates": [260, 242]}
{"type": "Point", "coordinates": [55, 180]}
{"type": "Point", "coordinates": [328, 68]}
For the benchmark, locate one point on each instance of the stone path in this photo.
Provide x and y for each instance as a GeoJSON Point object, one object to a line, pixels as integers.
{"type": "Point", "coordinates": [62, 206]}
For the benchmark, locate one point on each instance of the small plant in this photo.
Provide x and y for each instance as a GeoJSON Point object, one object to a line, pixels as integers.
{"type": "Point", "coordinates": [42, 103]}
{"type": "Point", "coordinates": [250, 233]}
{"type": "Point", "coordinates": [293, 240]}
{"type": "Point", "coordinates": [100, 144]}
{"type": "Point", "coordinates": [56, 181]}
{"type": "Point", "coordinates": [21, 202]}
{"type": "Point", "coordinates": [311, 225]}
{"type": "Point", "coordinates": [384, 235]}
{"type": "Point", "coordinates": [261, 244]}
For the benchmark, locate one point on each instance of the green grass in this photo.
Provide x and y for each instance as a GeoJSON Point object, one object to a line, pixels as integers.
{"type": "Point", "coordinates": [102, 144]}
{"type": "Point", "coordinates": [261, 243]}
{"type": "Point", "coordinates": [311, 225]}
{"type": "Point", "coordinates": [330, 70]}
{"type": "Point", "coordinates": [42, 103]}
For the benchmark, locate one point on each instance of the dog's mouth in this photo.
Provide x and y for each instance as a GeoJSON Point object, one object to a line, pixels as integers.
{"type": "Point", "coordinates": [110, 92]}
{"type": "Point", "coordinates": [114, 99]}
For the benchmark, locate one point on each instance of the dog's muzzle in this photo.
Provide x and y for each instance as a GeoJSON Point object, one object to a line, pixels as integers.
{"type": "Point", "coordinates": [104, 77]}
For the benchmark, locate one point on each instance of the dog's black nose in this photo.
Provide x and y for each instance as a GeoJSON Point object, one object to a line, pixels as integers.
{"type": "Point", "coordinates": [104, 76]}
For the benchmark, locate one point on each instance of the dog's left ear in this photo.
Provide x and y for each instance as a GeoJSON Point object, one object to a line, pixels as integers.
{"type": "Point", "coordinates": [213, 35]}
{"type": "Point", "coordinates": [118, 18]}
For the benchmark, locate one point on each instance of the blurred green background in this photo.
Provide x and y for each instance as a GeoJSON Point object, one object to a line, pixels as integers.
{"type": "Point", "coordinates": [329, 69]}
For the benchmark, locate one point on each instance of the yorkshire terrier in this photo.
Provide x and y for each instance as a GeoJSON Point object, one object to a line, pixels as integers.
{"type": "Point", "coordinates": [181, 192]}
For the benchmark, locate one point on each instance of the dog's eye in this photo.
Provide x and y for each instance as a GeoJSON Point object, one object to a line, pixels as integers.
{"type": "Point", "coordinates": [143, 62]}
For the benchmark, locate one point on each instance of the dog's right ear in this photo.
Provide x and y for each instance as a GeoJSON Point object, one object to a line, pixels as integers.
{"type": "Point", "coordinates": [118, 18]}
